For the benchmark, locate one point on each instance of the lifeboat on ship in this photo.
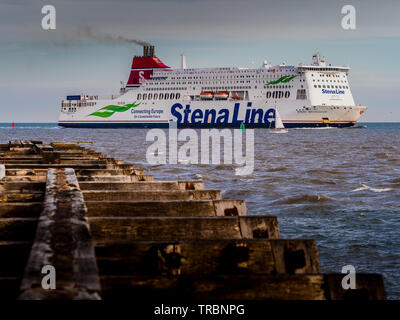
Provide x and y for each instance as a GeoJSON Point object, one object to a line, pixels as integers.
{"type": "Point", "coordinates": [206, 95]}
{"type": "Point", "coordinates": [221, 95]}
{"type": "Point", "coordinates": [236, 97]}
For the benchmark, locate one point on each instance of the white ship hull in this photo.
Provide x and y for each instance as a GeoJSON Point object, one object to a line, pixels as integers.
{"type": "Point", "coordinates": [258, 115]}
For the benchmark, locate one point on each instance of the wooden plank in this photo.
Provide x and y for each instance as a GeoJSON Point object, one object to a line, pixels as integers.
{"type": "Point", "coordinates": [108, 172]}
{"type": "Point", "coordinates": [56, 166]}
{"type": "Point", "coordinates": [24, 186]}
{"type": "Point", "coordinates": [66, 145]}
{"type": "Point", "coordinates": [17, 196]}
{"type": "Point", "coordinates": [255, 256]}
{"type": "Point", "coordinates": [27, 143]}
{"type": "Point", "coordinates": [151, 195]}
{"type": "Point", "coordinates": [10, 156]}
{"type": "Point", "coordinates": [21, 150]}
{"type": "Point", "coordinates": [39, 178]}
{"type": "Point", "coordinates": [250, 287]}
{"type": "Point", "coordinates": [207, 287]}
{"type": "Point", "coordinates": [21, 161]}
{"type": "Point", "coordinates": [62, 240]}
{"type": "Point", "coordinates": [166, 208]}
{"type": "Point", "coordinates": [20, 209]}
{"type": "Point", "coordinates": [79, 172]}
{"type": "Point", "coordinates": [183, 228]}
{"type": "Point", "coordinates": [42, 147]}
{"type": "Point", "coordinates": [82, 161]}
{"type": "Point", "coordinates": [17, 229]}
{"type": "Point", "coordinates": [143, 185]}
{"type": "Point", "coordinates": [117, 178]}
{"type": "Point", "coordinates": [26, 172]}
{"type": "Point", "coordinates": [83, 156]}
{"type": "Point", "coordinates": [121, 166]}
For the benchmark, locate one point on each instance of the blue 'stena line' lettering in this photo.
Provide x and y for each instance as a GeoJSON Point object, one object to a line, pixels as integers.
{"type": "Point", "coordinates": [187, 115]}
{"type": "Point", "coordinates": [333, 91]}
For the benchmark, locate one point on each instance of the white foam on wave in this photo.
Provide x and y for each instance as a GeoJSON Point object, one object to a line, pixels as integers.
{"type": "Point", "coordinates": [365, 187]}
{"type": "Point", "coordinates": [317, 128]}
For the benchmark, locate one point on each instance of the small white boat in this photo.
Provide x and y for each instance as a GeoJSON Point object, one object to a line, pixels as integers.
{"type": "Point", "coordinates": [279, 127]}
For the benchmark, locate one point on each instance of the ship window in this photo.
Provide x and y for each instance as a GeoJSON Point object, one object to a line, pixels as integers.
{"type": "Point", "coordinates": [319, 86]}
{"type": "Point", "coordinates": [178, 95]}
{"type": "Point", "coordinates": [144, 96]}
{"type": "Point", "coordinates": [139, 96]}
{"type": "Point", "coordinates": [155, 96]}
{"type": "Point", "coordinates": [150, 96]}
{"type": "Point", "coordinates": [166, 96]}
{"type": "Point", "coordinates": [172, 96]}
{"type": "Point", "coordinates": [315, 85]}
{"type": "Point", "coordinates": [161, 96]}
{"type": "Point", "coordinates": [301, 94]}
{"type": "Point", "coordinates": [287, 94]}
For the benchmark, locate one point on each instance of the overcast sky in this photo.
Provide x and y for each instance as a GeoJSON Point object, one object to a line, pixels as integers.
{"type": "Point", "coordinates": [39, 68]}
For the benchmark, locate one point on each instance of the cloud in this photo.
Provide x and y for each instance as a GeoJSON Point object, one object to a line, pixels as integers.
{"type": "Point", "coordinates": [213, 20]}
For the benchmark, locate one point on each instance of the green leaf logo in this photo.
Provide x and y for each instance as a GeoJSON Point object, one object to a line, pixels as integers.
{"type": "Point", "coordinates": [109, 110]}
{"type": "Point", "coordinates": [283, 79]}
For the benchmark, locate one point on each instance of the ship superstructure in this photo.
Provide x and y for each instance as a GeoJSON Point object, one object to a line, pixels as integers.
{"type": "Point", "coordinates": [315, 95]}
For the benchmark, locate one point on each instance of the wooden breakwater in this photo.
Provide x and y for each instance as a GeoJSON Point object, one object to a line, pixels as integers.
{"type": "Point", "coordinates": [111, 232]}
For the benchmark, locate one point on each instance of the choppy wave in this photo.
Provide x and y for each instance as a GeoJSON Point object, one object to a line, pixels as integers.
{"type": "Point", "coordinates": [382, 155]}
{"type": "Point", "coordinates": [323, 171]}
{"type": "Point", "coordinates": [225, 167]}
{"type": "Point", "coordinates": [305, 198]}
{"type": "Point", "coordinates": [276, 169]}
{"type": "Point", "coordinates": [360, 126]}
{"type": "Point", "coordinates": [322, 181]}
{"type": "Point", "coordinates": [365, 187]}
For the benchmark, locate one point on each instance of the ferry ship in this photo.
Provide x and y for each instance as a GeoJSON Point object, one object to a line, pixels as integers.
{"type": "Point", "coordinates": [314, 95]}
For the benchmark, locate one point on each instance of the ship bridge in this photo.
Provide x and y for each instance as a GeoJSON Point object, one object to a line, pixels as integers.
{"type": "Point", "coordinates": [319, 64]}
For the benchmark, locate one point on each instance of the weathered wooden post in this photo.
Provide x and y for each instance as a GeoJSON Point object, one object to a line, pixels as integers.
{"type": "Point", "coordinates": [63, 242]}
